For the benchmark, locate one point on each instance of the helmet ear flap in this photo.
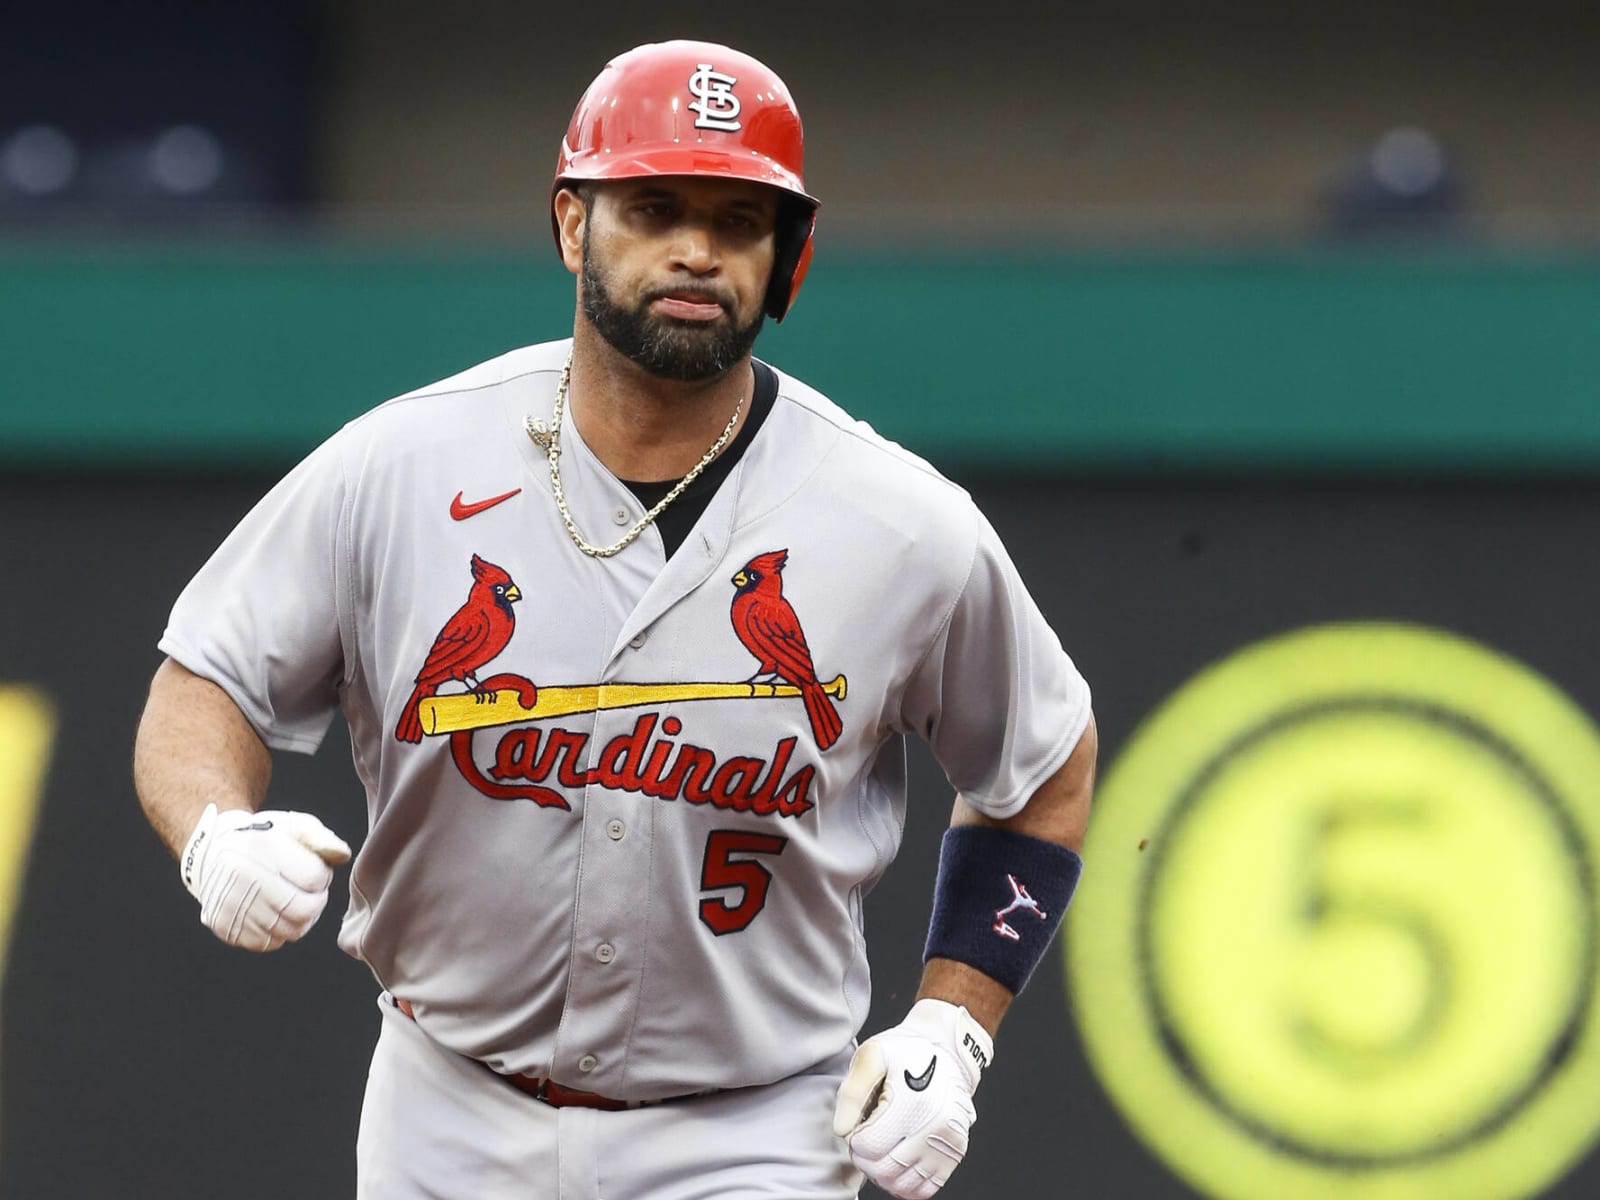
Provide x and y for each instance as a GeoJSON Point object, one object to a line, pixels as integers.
{"type": "Point", "coordinates": [797, 223]}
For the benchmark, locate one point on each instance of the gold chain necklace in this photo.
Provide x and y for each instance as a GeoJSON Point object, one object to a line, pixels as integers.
{"type": "Point", "coordinates": [549, 437]}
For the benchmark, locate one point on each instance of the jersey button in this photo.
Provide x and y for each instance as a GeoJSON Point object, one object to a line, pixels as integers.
{"type": "Point", "coordinates": [620, 516]}
{"type": "Point", "coordinates": [638, 640]}
{"type": "Point", "coordinates": [588, 1063]}
{"type": "Point", "coordinates": [615, 829]}
{"type": "Point", "coordinates": [605, 952]}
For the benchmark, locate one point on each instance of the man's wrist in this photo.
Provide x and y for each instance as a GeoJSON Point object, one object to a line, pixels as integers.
{"type": "Point", "coordinates": [985, 998]}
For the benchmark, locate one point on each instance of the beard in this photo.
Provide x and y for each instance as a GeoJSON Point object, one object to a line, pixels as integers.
{"type": "Point", "coordinates": [686, 351]}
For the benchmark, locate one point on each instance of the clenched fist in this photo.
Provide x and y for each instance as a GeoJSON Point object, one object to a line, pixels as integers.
{"type": "Point", "coordinates": [261, 877]}
{"type": "Point", "coordinates": [906, 1105]}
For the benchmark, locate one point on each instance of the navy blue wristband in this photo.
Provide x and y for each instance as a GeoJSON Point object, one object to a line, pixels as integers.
{"type": "Point", "coordinates": [999, 898]}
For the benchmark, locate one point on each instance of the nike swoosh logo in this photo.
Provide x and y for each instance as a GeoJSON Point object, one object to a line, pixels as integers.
{"type": "Point", "coordinates": [919, 1083]}
{"type": "Point", "coordinates": [461, 511]}
{"type": "Point", "coordinates": [257, 825]}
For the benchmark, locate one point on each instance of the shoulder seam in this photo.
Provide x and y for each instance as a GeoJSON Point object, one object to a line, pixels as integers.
{"type": "Point", "coordinates": [944, 622]}
{"type": "Point", "coordinates": [457, 391]}
{"type": "Point", "coordinates": [346, 530]}
{"type": "Point", "coordinates": [848, 428]}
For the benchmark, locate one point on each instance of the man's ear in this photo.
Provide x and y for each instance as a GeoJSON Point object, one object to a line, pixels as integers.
{"type": "Point", "coordinates": [571, 217]}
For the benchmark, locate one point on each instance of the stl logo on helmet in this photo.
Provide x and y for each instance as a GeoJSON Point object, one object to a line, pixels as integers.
{"type": "Point", "coordinates": [714, 101]}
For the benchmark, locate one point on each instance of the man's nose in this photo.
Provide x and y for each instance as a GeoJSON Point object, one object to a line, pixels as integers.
{"type": "Point", "coordinates": [693, 247]}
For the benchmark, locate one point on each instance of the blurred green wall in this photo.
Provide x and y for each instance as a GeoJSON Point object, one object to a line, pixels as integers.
{"type": "Point", "coordinates": [249, 352]}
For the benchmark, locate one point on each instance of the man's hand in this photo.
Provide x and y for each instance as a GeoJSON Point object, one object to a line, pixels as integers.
{"type": "Point", "coordinates": [906, 1105]}
{"type": "Point", "coordinates": [261, 877]}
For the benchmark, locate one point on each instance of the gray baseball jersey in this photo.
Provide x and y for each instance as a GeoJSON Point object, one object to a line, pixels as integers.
{"type": "Point", "coordinates": [623, 811]}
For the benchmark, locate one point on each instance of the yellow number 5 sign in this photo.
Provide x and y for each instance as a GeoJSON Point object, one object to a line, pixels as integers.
{"type": "Point", "coordinates": [1339, 937]}
{"type": "Point", "coordinates": [27, 724]}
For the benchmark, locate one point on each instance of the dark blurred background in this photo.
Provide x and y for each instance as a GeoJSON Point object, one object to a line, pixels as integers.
{"type": "Point", "coordinates": [1033, 122]}
{"type": "Point", "coordinates": [1236, 318]}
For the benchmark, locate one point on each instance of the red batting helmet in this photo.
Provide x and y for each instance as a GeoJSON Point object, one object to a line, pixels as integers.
{"type": "Point", "coordinates": [697, 108]}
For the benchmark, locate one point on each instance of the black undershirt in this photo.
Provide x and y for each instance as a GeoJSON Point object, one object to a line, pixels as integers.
{"type": "Point", "coordinates": [680, 516]}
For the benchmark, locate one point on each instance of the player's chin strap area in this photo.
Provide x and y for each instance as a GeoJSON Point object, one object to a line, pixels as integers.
{"type": "Point", "coordinates": [557, 1095]}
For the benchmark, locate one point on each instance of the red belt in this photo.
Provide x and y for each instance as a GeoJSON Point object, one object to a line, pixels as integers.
{"type": "Point", "coordinates": [542, 1088]}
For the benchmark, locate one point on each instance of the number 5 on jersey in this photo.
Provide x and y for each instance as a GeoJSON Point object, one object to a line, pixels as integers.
{"type": "Point", "coordinates": [720, 870]}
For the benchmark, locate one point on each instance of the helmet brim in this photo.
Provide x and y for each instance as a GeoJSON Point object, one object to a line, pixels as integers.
{"type": "Point", "coordinates": [704, 161]}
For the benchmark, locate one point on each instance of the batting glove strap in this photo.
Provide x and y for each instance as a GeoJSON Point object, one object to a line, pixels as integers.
{"type": "Point", "coordinates": [261, 877]}
{"type": "Point", "coordinates": [194, 851]}
{"type": "Point", "coordinates": [905, 1107]}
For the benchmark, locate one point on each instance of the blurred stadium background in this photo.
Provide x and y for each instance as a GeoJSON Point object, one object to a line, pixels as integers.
{"type": "Point", "coordinates": [1240, 321]}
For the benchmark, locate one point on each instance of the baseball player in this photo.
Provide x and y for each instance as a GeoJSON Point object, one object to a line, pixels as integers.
{"type": "Point", "coordinates": [629, 630]}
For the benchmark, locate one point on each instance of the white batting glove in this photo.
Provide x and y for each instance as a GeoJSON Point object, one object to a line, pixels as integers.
{"type": "Point", "coordinates": [905, 1107]}
{"type": "Point", "coordinates": [261, 877]}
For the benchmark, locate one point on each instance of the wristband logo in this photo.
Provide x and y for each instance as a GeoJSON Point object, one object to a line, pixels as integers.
{"type": "Point", "coordinates": [27, 725]}
{"type": "Point", "coordinates": [1360, 956]}
{"type": "Point", "coordinates": [1020, 902]}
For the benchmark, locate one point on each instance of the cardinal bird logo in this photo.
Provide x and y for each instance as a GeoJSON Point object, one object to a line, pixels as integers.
{"type": "Point", "coordinates": [767, 625]}
{"type": "Point", "coordinates": [479, 630]}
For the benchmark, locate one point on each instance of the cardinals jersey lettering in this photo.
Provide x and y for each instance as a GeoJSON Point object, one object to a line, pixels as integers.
{"type": "Point", "coordinates": [623, 811]}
